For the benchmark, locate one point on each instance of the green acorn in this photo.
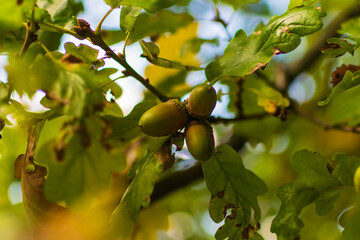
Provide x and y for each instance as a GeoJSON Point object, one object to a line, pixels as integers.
{"type": "Point", "coordinates": [164, 119]}
{"type": "Point", "coordinates": [202, 101]}
{"type": "Point", "coordinates": [200, 139]}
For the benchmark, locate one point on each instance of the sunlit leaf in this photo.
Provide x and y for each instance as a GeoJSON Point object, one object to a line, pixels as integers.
{"type": "Point", "coordinates": [245, 54]}
{"type": "Point", "coordinates": [61, 11]}
{"type": "Point", "coordinates": [11, 14]}
{"type": "Point", "coordinates": [298, 3]}
{"type": "Point", "coordinates": [150, 5]}
{"type": "Point", "coordinates": [128, 17]}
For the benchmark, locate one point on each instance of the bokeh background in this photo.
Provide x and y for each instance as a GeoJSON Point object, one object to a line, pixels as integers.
{"type": "Point", "coordinates": [270, 142]}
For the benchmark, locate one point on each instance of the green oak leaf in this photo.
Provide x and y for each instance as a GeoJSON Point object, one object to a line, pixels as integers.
{"type": "Point", "coordinates": [106, 83]}
{"type": "Point", "coordinates": [337, 47]}
{"type": "Point", "coordinates": [287, 223]}
{"type": "Point", "coordinates": [316, 183]}
{"type": "Point", "coordinates": [61, 11]}
{"type": "Point", "coordinates": [137, 195]}
{"type": "Point", "coordinates": [351, 29]}
{"type": "Point", "coordinates": [126, 128]}
{"type": "Point", "coordinates": [346, 167]}
{"type": "Point", "coordinates": [245, 54]}
{"type": "Point", "coordinates": [151, 52]}
{"type": "Point", "coordinates": [12, 14]}
{"type": "Point", "coordinates": [298, 3]}
{"type": "Point", "coordinates": [128, 17]}
{"type": "Point", "coordinates": [147, 24]}
{"type": "Point", "coordinates": [349, 81]}
{"type": "Point", "coordinates": [234, 188]}
{"type": "Point", "coordinates": [87, 54]}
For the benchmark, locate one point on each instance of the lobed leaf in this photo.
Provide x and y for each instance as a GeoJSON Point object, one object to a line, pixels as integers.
{"type": "Point", "coordinates": [245, 54]}
{"type": "Point", "coordinates": [337, 47]}
{"type": "Point", "coordinates": [316, 183]}
{"type": "Point", "coordinates": [137, 195]}
{"type": "Point", "coordinates": [87, 54]}
{"type": "Point", "coordinates": [350, 80]}
{"type": "Point", "coordinates": [234, 188]}
{"type": "Point", "coordinates": [126, 128]}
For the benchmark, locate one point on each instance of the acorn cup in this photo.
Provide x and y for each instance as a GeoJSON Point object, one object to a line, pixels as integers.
{"type": "Point", "coordinates": [164, 119]}
{"type": "Point", "coordinates": [200, 139]}
{"type": "Point", "coordinates": [202, 101]}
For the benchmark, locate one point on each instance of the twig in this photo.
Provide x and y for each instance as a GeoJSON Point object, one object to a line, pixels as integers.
{"type": "Point", "coordinates": [129, 71]}
{"type": "Point", "coordinates": [176, 181]}
{"type": "Point", "coordinates": [239, 96]}
{"type": "Point", "coordinates": [238, 119]}
{"type": "Point", "coordinates": [218, 19]}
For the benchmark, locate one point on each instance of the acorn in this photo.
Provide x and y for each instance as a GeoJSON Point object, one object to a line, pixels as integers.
{"type": "Point", "coordinates": [200, 139]}
{"type": "Point", "coordinates": [202, 101]}
{"type": "Point", "coordinates": [164, 119]}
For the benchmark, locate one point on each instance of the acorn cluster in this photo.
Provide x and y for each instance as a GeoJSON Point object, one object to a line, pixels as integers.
{"type": "Point", "coordinates": [169, 117]}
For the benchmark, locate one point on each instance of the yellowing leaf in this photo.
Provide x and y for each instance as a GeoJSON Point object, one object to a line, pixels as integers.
{"type": "Point", "coordinates": [170, 47]}
{"type": "Point", "coordinates": [270, 99]}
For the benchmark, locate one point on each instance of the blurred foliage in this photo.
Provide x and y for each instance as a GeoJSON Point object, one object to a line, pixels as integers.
{"type": "Point", "coordinates": [287, 124]}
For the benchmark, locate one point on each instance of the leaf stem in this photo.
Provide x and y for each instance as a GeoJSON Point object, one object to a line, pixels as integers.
{"type": "Point", "coordinates": [104, 84]}
{"type": "Point", "coordinates": [45, 49]}
{"type": "Point", "coordinates": [98, 27]}
{"type": "Point", "coordinates": [126, 42]}
{"type": "Point", "coordinates": [59, 29]}
{"type": "Point", "coordinates": [29, 38]}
